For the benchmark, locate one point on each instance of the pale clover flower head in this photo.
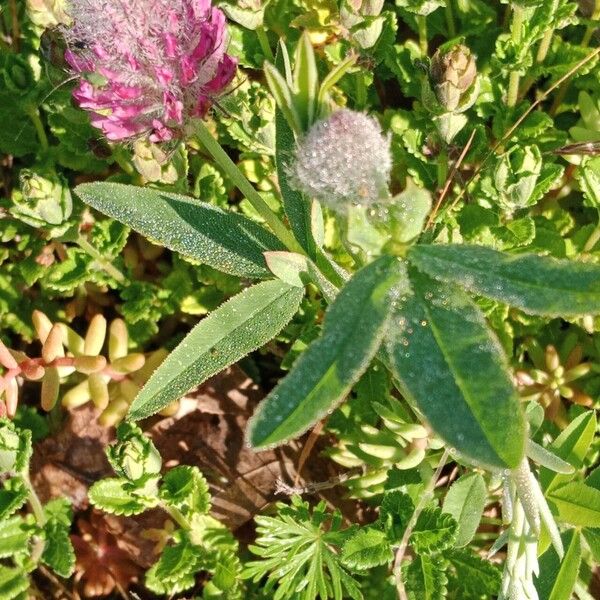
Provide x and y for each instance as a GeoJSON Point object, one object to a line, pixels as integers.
{"type": "Point", "coordinates": [147, 65]}
{"type": "Point", "coordinates": [343, 160]}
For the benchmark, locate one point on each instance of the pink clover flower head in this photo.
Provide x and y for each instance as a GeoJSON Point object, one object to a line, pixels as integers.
{"type": "Point", "coordinates": [344, 159]}
{"type": "Point", "coordinates": [155, 63]}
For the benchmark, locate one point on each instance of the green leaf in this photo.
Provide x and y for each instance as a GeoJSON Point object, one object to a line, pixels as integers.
{"type": "Point", "coordinates": [452, 366]}
{"type": "Point", "coordinates": [226, 241]}
{"type": "Point", "coordinates": [425, 578]}
{"type": "Point", "coordinates": [588, 176]}
{"type": "Point", "coordinates": [367, 548]}
{"type": "Point", "coordinates": [12, 496]}
{"type": "Point", "coordinates": [306, 80]}
{"type": "Point", "coordinates": [297, 208]}
{"type": "Point", "coordinates": [571, 445]}
{"type": "Point", "coordinates": [352, 331]}
{"type": "Point", "coordinates": [465, 501]}
{"type": "Point", "coordinates": [14, 537]}
{"type": "Point", "coordinates": [470, 576]}
{"type": "Point", "coordinates": [119, 497]}
{"type": "Point", "coordinates": [186, 488]}
{"type": "Point", "coordinates": [536, 284]}
{"type": "Point", "coordinates": [58, 554]}
{"type": "Point", "coordinates": [577, 504]}
{"type": "Point", "coordinates": [434, 531]}
{"type": "Point", "coordinates": [287, 266]}
{"type": "Point", "coordinates": [175, 570]}
{"type": "Point", "coordinates": [557, 578]}
{"type": "Point", "coordinates": [13, 582]}
{"type": "Point", "coordinates": [237, 327]}
{"type": "Point", "coordinates": [283, 97]}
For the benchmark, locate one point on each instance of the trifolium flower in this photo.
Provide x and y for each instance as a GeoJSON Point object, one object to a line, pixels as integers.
{"type": "Point", "coordinates": [148, 65]}
{"type": "Point", "coordinates": [343, 160]}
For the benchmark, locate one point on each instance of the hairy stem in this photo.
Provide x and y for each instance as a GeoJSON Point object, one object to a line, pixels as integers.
{"type": "Point", "coordinates": [425, 497]}
{"type": "Point", "coordinates": [518, 21]}
{"type": "Point", "coordinates": [263, 40]}
{"type": "Point", "coordinates": [240, 181]}
{"type": "Point", "coordinates": [34, 501]}
{"type": "Point", "coordinates": [100, 260]}
{"type": "Point", "coordinates": [34, 115]}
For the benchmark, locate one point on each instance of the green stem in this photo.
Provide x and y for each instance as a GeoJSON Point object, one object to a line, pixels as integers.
{"type": "Point", "coordinates": [34, 501]}
{"type": "Point", "coordinates": [102, 262]}
{"type": "Point", "coordinates": [177, 516]}
{"type": "Point", "coordinates": [422, 24]}
{"type": "Point", "coordinates": [34, 115]}
{"type": "Point", "coordinates": [592, 240]}
{"type": "Point", "coordinates": [516, 32]}
{"type": "Point", "coordinates": [240, 181]}
{"type": "Point", "coordinates": [263, 40]}
{"type": "Point", "coordinates": [361, 91]}
{"type": "Point", "coordinates": [450, 19]}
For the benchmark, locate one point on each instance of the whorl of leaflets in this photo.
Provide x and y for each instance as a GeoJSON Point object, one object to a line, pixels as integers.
{"type": "Point", "coordinates": [343, 160]}
{"type": "Point", "coordinates": [149, 65]}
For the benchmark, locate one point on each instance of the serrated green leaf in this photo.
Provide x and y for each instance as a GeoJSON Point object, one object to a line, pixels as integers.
{"type": "Point", "coordinates": [58, 553]}
{"type": "Point", "coordinates": [576, 503]}
{"type": "Point", "coordinates": [434, 531]}
{"type": "Point", "coordinates": [13, 495]}
{"type": "Point", "coordinates": [13, 582]}
{"type": "Point", "coordinates": [117, 496]}
{"type": "Point", "coordinates": [226, 241]}
{"type": "Point", "coordinates": [367, 548]}
{"type": "Point", "coordinates": [352, 331]}
{"type": "Point", "coordinates": [14, 537]}
{"type": "Point", "coordinates": [536, 284]}
{"type": "Point", "coordinates": [425, 578]}
{"type": "Point", "coordinates": [453, 367]}
{"type": "Point", "coordinates": [472, 577]}
{"type": "Point", "coordinates": [175, 570]}
{"type": "Point", "coordinates": [186, 488]}
{"type": "Point", "coordinates": [557, 577]}
{"type": "Point", "coordinates": [465, 501]}
{"type": "Point", "coordinates": [241, 325]}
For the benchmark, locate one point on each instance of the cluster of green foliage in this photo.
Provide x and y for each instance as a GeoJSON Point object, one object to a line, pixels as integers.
{"type": "Point", "coordinates": [456, 335]}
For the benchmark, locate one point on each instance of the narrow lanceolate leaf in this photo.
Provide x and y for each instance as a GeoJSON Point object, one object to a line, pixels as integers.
{"type": "Point", "coordinates": [226, 241]}
{"type": "Point", "coordinates": [324, 374]}
{"type": "Point", "coordinates": [241, 325]}
{"type": "Point", "coordinates": [558, 577]}
{"type": "Point", "coordinates": [538, 285]}
{"type": "Point", "coordinates": [283, 96]}
{"type": "Point", "coordinates": [306, 80]}
{"type": "Point", "coordinates": [452, 366]}
{"type": "Point", "coordinates": [296, 207]}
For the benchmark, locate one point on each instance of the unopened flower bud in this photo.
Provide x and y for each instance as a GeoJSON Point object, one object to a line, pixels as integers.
{"type": "Point", "coordinates": [452, 75]}
{"type": "Point", "coordinates": [343, 160]}
{"type": "Point", "coordinates": [44, 199]}
{"type": "Point", "coordinates": [134, 455]}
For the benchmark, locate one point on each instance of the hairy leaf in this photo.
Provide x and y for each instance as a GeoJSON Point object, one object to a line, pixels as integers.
{"type": "Point", "coordinates": [434, 531]}
{"type": "Point", "coordinates": [452, 366]}
{"type": "Point", "coordinates": [119, 497]}
{"type": "Point", "coordinates": [536, 284]}
{"type": "Point", "coordinates": [241, 325]}
{"type": "Point", "coordinates": [425, 578]}
{"type": "Point", "coordinates": [352, 331]}
{"type": "Point", "coordinates": [226, 241]}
